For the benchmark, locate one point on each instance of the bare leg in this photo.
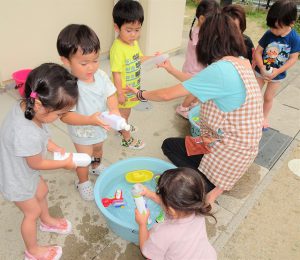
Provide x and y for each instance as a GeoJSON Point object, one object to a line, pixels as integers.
{"type": "Point", "coordinates": [213, 195]}
{"type": "Point", "coordinates": [268, 100]}
{"type": "Point", "coordinates": [32, 211]}
{"type": "Point", "coordinates": [97, 153]}
{"type": "Point", "coordinates": [83, 172]}
{"type": "Point", "coordinates": [41, 196]}
{"type": "Point", "coordinates": [125, 112]}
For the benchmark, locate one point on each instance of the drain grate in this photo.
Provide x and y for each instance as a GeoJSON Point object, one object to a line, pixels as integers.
{"type": "Point", "coordinates": [271, 147]}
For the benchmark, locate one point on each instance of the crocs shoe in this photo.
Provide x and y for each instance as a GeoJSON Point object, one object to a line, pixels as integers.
{"type": "Point", "coordinates": [53, 253]}
{"type": "Point", "coordinates": [98, 170]}
{"type": "Point", "coordinates": [63, 228]}
{"type": "Point", "coordinates": [183, 111]}
{"type": "Point", "coordinates": [85, 190]}
{"type": "Point", "coordinates": [133, 144]}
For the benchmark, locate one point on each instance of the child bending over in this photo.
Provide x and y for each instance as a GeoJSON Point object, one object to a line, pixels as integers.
{"type": "Point", "coordinates": [182, 235]}
{"type": "Point", "coordinates": [50, 91]}
{"type": "Point", "coordinates": [78, 47]}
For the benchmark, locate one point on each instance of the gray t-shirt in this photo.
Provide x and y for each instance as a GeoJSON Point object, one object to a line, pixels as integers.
{"type": "Point", "coordinates": [20, 138]}
{"type": "Point", "coordinates": [92, 98]}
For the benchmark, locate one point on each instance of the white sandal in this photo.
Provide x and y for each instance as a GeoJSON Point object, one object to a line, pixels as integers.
{"type": "Point", "coordinates": [86, 190]}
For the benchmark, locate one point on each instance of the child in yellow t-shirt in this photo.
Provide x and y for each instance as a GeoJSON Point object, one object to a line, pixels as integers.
{"type": "Point", "coordinates": [125, 61]}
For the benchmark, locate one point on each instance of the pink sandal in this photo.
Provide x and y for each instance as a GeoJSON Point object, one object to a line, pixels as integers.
{"type": "Point", "coordinates": [63, 228]}
{"type": "Point", "coordinates": [53, 253]}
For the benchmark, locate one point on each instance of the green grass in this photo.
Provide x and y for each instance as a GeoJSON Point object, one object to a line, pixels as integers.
{"type": "Point", "coordinates": [297, 26]}
{"type": "Point", "coordinates": [192, 3]}
{"type": "Point", "coordinates": [258, 15]}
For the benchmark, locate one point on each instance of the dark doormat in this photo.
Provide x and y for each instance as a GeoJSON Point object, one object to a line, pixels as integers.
{"type": "Point", "coordinates": [271, 147]}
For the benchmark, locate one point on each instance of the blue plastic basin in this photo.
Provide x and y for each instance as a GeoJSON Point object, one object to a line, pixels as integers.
{"type": "Point", "coordinates": [121, 220]}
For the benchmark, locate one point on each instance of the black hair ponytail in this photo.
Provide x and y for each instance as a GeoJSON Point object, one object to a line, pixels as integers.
{"type": "Point", "coordinates": [51, 85]}
{"type": "Point", "coordinates": [205, 8]}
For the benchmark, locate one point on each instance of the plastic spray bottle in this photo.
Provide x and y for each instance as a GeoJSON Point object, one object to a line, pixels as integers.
{"type": "Point", "coordinates": [80, 159]}
{"type": "Point", "coordinates": [114, 121]}
{"type": "Point", "coordinates": [139, 200]}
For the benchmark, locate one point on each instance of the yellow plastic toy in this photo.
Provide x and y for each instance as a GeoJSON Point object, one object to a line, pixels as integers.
{"type": "Point", "coordinates": [139, 176]}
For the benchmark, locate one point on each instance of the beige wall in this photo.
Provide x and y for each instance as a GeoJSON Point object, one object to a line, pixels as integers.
{"type": "Point", "coordinates": [163, 25]}
{"type": "Point", "coordinates": [29, 28]}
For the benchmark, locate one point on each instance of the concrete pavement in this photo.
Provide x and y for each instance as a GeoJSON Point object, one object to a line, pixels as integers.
{"type": "Point", "coordinates": [248, 216]}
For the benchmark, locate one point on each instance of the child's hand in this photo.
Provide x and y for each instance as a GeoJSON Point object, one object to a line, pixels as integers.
{"type": "Point", "coordinates": [141, 219]}
{"type": "Point", "coordinates": [69, 164]}
{"type": "Point", "coordinates": [271, 76]}
{"type": "Point", "coordinates": [131, 89]}
{"type": "Point", "coordinates": [121, 98]}
{"type": "Point", "coordinates": [145, 192]}
{"type": "Point", "coordinates": [95, 120]}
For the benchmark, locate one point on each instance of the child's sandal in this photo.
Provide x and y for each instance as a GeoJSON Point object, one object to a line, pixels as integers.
{"type": "Point", "coordinates": [85, 190]}
{"type": "Point", "coordinates": [63, 228]}
{"type": "Point", "coordinates": [133, 144]}
{"type": "Point", "coordinates": [53, 253]}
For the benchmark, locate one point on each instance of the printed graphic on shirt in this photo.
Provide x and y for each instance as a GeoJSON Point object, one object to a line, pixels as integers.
{"type": "Point", "coordinates": [276, 54]}
{"type": "Point", "coordinates": [133, 74]}
{"type": "Point", "coordinates": [84, 131]}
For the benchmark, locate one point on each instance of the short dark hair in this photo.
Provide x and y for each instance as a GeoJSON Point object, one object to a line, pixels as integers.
{"type": "Point", "coordinates": [128, 11]}
{"type": "Point", "coordinates": [205, 8]}
{"type": "Point", "coordinates": [183, 190]}
{"type": "Point", "coordinates": [76, 36]}
{"type": "Point", "coordinates": [237, 12]}
{"type": "Point", "coordinates": [282, 12]}
{"type": "Point", "coordinates": [54, 86]}
{"type": "Point", "coordinates": [219, 37]}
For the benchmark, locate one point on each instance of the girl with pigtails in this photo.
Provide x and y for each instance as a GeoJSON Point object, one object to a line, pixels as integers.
{"type": "Point", "coordinates": [191, 65]}
{"type": "Point", "coordinates": [50, 91]}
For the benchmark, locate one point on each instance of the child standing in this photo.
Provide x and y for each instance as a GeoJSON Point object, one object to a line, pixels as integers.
{"type": "Point", "coordinates": [277, 51]}
{"type": "Point", "coordinates": [78, 47]}
{"type": "Point", "coordinates": [125, 61]}
{"type": "Point", "coordinates": [183, 233]}
{"type": "Point", "coordinates": [237, 13]}
{"type": "Point", "coordinates": [50, 91]}
{"type": "Point", "coordinates": [191, 66]}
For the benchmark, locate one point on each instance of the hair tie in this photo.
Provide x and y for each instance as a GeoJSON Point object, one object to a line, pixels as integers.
{"type": "Point", "coordinates": [33, 95]}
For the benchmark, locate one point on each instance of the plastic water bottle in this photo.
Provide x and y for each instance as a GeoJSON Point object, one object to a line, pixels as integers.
{"type": "Point", "coordinates": [80, 159]}
{"type": "Point", "coordinates": [153, 62]}
{"type": "Point", "coordinates": [139, 200]}
{"type": "Point", "coordinates": [114, 121]}
{"type": "Point", "coordinates": [268, 69]}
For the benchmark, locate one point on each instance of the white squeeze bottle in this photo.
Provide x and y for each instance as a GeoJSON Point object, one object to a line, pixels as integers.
{"type": "Point", "coordinates": [114, 121]}
{"type": "Point", "coordinates": [152, 62]}
{"type": "Point", "coordinates": [139, 200]}
{"type": "Point", "coordinates": [269, 69]}
{"type": "Point", "coordinates": [80, 159]}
